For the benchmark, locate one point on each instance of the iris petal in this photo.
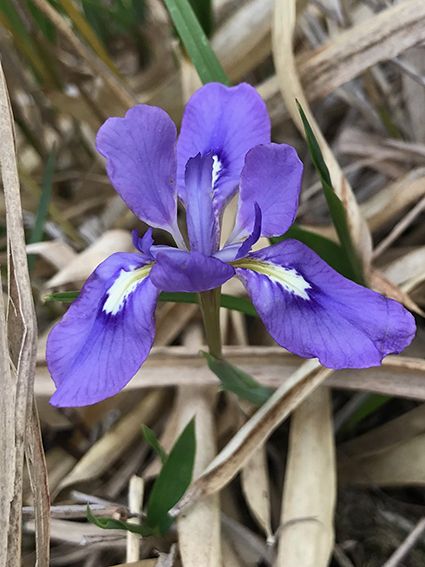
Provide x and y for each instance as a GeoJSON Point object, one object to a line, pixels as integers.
{"type": "Point", "coordinates": [105, 335]}
{"type": "Point", "coordinates": [141, 163]}
{"type": "Point", "coordinates": [201, 215]}
{"type": "Point", "coordinates": [177, 270]}
{"type": "Point", "coordinates": [313, 311]}
{"type": "Point", "coordinates": [271, 177]}
{"type": "Point", "coordinates": [225, 122]}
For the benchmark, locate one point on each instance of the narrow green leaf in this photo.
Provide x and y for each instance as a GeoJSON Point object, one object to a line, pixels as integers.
{"type": "Point", "coordinates": [196, 42]}
{"type": "Point", "coordinates": [237, 381]}
{"type": "Point", "coordinates": [43, 206]}
{"type": "Point", "coordinates": [172, 481]}
{"type": "Point", "coordinates": [370, 405]}
{"type": "Point", "coordinates": [204, 14]}
{"type": "Point", "coordinates": [113, 524]}
{"type": "Point", "coordinates": [152, 440]}
{"type": "Point", "coordinates": [327, 249]}
{"type": "Point", "coordinates": [336, 208]}
{"type": "Point", "coordinates": [61, 297]}
{"type": "Point", "coordinates": [227, 301]}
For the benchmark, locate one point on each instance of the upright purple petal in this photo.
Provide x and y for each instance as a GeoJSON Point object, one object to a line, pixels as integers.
{"type": "Point", "coordinates": [271, 177]}
{"type": "Point", "coordinates": [201, 216]}
{"type": "Point", "coordinates": [225, 122]}
{"type": "Point", "coordinates": [313, 311]}
{"type": "Point", "coordinates": [177, 270]}
{"type": "Point", "coordinates": [141, 163]}
{"type": "Point", "coordinates": [143, 243]}
{"type": "Point", "coordinates": [106, 334]}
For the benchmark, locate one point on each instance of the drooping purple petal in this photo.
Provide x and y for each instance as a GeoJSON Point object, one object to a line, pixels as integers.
{"type": "Point", "coordinates": [201, 216]}
{"type": "Point", "coordinates": [141, 162]}
{"type": "Point", "coordinates": [272, 177]}
{"type": "Point", "coordinates": [225, 122]}
{"type": "Point", "coordinates": [313, 311]}
{"type": "Point", "coordinates": [177, 270]}
{"type": "Point", "coordinates": [106, 334]}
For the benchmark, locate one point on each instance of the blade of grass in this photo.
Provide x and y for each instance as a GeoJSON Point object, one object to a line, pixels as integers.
{"type": "Point", "coordinates": [196, 42]}
{"type": "Point", "coordinates": [235, 380]}
{"type": "Point", "coordinates": [172, 481]}
{"type": "Point", "coordinates": [226, 301]}
{"type": "Point", "coordinates": [327, 249]}
{"type": "Point", "coordinates": [335, 205]}
{"type": "Point", "coordinates": [152, 440]}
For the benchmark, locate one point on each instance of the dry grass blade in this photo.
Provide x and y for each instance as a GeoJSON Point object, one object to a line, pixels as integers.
{"type": "Point", "coordinates": [387, 436]}
{"type": "Point", "coordinates": [400, 465]}
{"type": "Point", "coordinates": [291, 90]}
{"type": "Point", "coordinates": [255, 486]}
{"type": "Point", "coordinates": [100, 457]}
{"type": "Point", "coordinates": [399, 228]}
{"type": "Point", "coordinates": [383, 36]}
{"type": "Point", "coordinates": [121, 92]}
{"type": "Point", "coordinates": [240, 45]}
{"type": "Point", "coordinates": [306, 531]}
{"type": "Point", "coordinates": [385, 205]}
{"type": "Point", "coordinates": [242, 446]}
{"type": "Point", "coordinates": [406, 267]}
{"type": "Point", "coordinates": [407, 545]}
{"type": "Point", "coordinates": [80, 267]}
{"type": "Point", "coordinates": [355, 50]}
{"type": "Point", "coordinates": [22, 334]}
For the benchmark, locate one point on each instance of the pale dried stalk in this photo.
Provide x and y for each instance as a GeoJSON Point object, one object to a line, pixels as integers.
{"type": "Point", "coordinates": [241, 447]}
{"type": "Point", "coordinates": [400, 376]}
{"type": "Point", "coordinates": [135, 503]}
{"type": "Point", "coordinates": [290, 86]}
{"type": "Point", "coordinates": [306, 531]}
{"type": "Point", "coordinates": [37, 472]}
{"type": "Point", "coordinates": [7, 437]}
{"type": "Point", "coordinates": [22, 338]}
{"type": "Point", "coordinates": [199, 528]}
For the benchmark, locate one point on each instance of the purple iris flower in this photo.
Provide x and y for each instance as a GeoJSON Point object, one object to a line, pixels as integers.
{"type": "Point", "coordinates": [223, 147]}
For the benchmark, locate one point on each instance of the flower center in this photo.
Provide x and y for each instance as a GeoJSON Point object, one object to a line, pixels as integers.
{"type": "Point", "coordinates": [288, 278]}
{"type": "Point", "coordinates": [123, 286]}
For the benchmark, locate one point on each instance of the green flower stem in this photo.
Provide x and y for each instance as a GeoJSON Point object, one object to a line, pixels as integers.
{"type": "Point", "coordinates": [210, 307]}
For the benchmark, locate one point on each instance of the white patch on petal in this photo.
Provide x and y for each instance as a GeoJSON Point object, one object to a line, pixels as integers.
{"type": "Point", "coordinates": [288, 278]}
{"type": "Point", "coordinates": [123, 286]}
{"type": "Point", "coordinates": [216, 168]}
